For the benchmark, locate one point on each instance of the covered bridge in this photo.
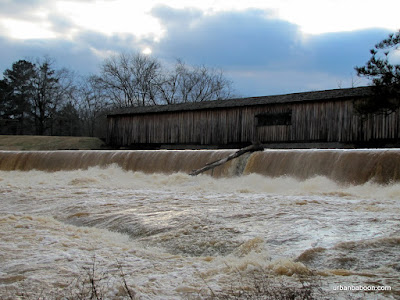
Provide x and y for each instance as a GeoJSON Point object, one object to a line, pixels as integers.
{"type": "Point", "coordinates": [301, 120]}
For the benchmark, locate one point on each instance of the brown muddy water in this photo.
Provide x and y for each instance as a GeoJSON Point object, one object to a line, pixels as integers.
{"type": "Point", "coordinates": [335, 213]}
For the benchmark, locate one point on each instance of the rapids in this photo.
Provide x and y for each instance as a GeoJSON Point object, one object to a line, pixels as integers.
{"type": "Point", "coordinates": [335, 213]}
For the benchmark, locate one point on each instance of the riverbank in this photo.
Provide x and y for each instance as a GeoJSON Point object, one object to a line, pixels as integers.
{"type": "Point", "coordinates": [30, 142]}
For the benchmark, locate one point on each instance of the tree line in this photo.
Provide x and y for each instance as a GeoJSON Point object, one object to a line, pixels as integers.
{"type": "Point", "coordinates": [37, 98]}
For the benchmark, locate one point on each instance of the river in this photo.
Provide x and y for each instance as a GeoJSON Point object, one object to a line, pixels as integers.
{"type": "Point", "coordinates": [137, 217]}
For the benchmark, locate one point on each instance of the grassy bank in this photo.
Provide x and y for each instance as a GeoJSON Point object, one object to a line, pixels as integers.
{"type": "Point", "coordinates": [29, 142]}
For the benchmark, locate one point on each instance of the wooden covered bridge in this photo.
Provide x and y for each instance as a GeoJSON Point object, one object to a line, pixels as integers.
{"type": "Point", "coordinates": [324, 119]}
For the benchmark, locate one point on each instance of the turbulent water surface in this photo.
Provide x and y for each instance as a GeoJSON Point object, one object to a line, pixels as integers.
{"type": "Point", "coordinates": [176, 236]}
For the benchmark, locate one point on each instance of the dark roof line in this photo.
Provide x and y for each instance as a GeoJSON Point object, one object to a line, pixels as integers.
{"type": "Point", "coordinates": [336, 94]}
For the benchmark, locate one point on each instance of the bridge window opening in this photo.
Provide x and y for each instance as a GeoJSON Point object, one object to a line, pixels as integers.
{"type": "Point", "coordinates": [273, 119]}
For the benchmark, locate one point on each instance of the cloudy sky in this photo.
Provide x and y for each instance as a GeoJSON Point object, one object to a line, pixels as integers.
{"type": "Point", "coordinates": [264, 46]}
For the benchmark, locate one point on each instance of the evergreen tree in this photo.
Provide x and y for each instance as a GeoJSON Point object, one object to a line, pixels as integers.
{"type": "Point", "coordinates": [17, 92]}
{"type": "Point", "coordinates": [385, 75]}
{"type": "Point", "coordinates": [31, 96]}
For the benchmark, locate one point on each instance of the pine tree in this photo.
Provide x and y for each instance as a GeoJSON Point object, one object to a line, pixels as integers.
{"type": "Point", "coordinates": [385, 77]}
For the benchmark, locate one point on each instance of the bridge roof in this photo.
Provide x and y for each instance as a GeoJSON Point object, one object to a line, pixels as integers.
{"type": "Point", "coordinates": [326, 95]}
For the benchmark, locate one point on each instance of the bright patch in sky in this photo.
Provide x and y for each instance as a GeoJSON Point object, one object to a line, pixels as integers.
{"type": "Point", "coordinates": [110, 17]}
{"type": "Point", "coordinates": [147, 51]}
{"type": "Point", "coordinates": [19, 29]}
{"type": "Point", "coordinates": [334, 16]}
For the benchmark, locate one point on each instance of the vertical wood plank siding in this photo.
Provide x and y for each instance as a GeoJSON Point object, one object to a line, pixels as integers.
{"type": "Point", "coordinates": [314, 121]}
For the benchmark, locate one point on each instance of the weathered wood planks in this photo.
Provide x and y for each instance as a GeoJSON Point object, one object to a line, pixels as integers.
{"type": "Point", "coordinates": [325, 120]}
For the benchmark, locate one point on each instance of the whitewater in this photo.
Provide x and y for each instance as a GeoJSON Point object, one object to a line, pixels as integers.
{"type": "Point", "coordinates": [287, 213]}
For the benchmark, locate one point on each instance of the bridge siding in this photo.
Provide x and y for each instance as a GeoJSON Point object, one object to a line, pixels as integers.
{"type": "Point", "coordinates": [328, 120]}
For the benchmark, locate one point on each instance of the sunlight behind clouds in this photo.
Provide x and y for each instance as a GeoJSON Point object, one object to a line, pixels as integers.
{"type": "Point", "coordinates": [110, 17]}
{"type": "Point", "coordinates": [147, 51]}
{"type": "Point", "coordinates": [24, 30]}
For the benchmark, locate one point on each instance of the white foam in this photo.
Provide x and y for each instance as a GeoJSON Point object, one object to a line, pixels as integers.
{"type": "Point", "coordinates": [168, 229]}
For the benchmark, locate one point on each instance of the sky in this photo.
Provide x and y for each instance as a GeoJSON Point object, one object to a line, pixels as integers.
{"type": "Point", "coordinates": [264, 47]}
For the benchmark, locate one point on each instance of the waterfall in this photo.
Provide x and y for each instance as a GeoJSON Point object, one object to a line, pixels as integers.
{"type": "Point", "coordinates": [347, 166]}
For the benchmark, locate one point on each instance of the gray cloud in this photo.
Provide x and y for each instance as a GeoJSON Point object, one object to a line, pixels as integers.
{"type": "Point", "coordinates": [231, 39]}
{"type": "Point", "coordinates": [60, 23]}
{"type": "Point", "coordinates": [66, 54]}
{"type": "Point", "coordinates": [14, 6]}
{"type": "Point", "coordinates": [254, 39]}
{"type": "Point", "coordinates": [262, 53]}
{"type": "Point", "coordinates": [83, 54]}
{"type": "Point", "coordinates": [339, 52]}
{"type": "Point", "coordinates": [21, 9]}
{"type": "Point", "coordinates": [174, 18]}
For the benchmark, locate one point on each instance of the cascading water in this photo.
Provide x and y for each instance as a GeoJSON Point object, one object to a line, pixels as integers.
{"type": "Point", "coordinates": [290, 212]}
{"type": "Point", "coordinates": [351, 166]}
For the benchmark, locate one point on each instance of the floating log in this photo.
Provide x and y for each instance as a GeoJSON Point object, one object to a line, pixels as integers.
{"type": "Point", "coordinates": [212, 165]}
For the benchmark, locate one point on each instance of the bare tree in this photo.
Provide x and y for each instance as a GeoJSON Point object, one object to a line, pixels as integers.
{"type": "Point", "coordinates": [140, 80]}
{"type": "Point", "coordinates": [208, 84]}
{"type": "Point", "coordinates": [167, 85]}
{"type": "Point", "coordinates": [93, 103]}
{"type": "Point", "coordinates": [146, 70]}
{"type": "Point", "coordinates": [193, 84]}
{"type": "Point", "coordinates": [129, 79]}
{"type": "Point", "coordinates": [51, 88]}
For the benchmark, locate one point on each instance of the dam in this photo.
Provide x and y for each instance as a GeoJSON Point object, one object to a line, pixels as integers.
{"type": "Point", "coordinates": [289, 214]}
{"type": "Point", "coordinates": [351, 166]}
